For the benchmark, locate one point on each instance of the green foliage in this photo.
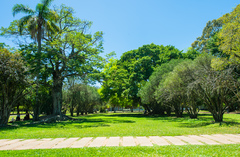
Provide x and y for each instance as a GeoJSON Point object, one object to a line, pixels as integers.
{"type": "Point", "coordinates": [229, 36]}
{"type": "Point", "coordinates": [191, 54]}
{"type": "Point", "coordinates": [147, 91]}
{"type": "Point", "coordinates": [141, 63]}
{"type": "Point", "coordinates": [209, 31]}
{"type": "Point", "coordinates": [114, 83]}
{"type": "Point", "coordinates": [82, 98]}
{"type": "Point", "coordinates": [216, 88]}
{"type": "Point", "coordinates": [13, 80]}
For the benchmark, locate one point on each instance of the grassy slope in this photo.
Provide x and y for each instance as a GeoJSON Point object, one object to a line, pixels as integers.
{"type": "Point", "coordinates": [124, 125]}
{"type": "Point", "coordinates": [190, 150]}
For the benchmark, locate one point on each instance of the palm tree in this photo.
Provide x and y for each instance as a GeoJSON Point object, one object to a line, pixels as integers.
{"type": "Point", "coordinates": [38, 23]}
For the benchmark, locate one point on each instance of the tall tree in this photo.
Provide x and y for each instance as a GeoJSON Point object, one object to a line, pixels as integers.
{"type": "Point", "coordinates": [38, 22]}
{"type": "Point", "coordinates": [71, 52]}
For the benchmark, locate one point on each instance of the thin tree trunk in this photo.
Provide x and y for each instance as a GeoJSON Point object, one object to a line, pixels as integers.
{"type": "Point", "coordinates": [18, 112]}
{"type": "Point", "coordinates": [39, 41]}
{"type": "Point", "coordinates": [71, 109]}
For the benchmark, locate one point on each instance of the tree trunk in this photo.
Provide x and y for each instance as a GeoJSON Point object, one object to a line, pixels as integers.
{"type": "Point", "coordinates": [36, 106]}
{"type": "Point", "coordinates": [168, 110]}
{"type": "Point", "coordinates": [178, 110]}
{"type": "Point", "coordinates": [39, 40]}
{"type": "Point", "coordinates": [4, 118]}
{"type": "Point", "coordinates": [18, 112]}
{"type": "Point", "coordinates": [5, 112]}
{"type": "Point", "coordinates": [90, 110]}
{"type": "Point", "coordinates": [218, 117]}
{"type": "Point", "coordinates": [57, 95]}
{"type": "Point", "coordinates": [71, 110]}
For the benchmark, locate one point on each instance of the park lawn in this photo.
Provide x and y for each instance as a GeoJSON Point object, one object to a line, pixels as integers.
{"type": "Point", "coordinates": [123, 124]}
{"type": "Point", "coordinates": [187, 150]}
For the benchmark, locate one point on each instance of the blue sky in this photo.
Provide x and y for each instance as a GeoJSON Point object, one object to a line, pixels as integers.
{"type": "Point", "coordinates": [129, 24]}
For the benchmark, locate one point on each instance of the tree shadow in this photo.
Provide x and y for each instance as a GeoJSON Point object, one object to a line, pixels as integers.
{"type": "Point", "coordinates": [82, 122]}
{"type": "Point", "coordinates": [202, 124]}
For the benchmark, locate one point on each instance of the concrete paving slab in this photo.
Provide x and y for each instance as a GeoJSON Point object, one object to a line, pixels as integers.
{"type": "Point", "coordinates": [47, 144]}
{"type": "Point", "coordinates": [189, 140]}
{"type": "Point", "coordinates": [81, 143]}
{"type": "Point", "coordinates": [144, 141]}
{"type": "Point", "coordinates": [233, 139]}
{"type": "Point", "coordinates": [113, 141]}
{"type": "Point", "coordinates": [19, 144]}
{"type": "Point", "coordinates": [174, 140]}
{"type": "Point", "coordinates": [218, 139]}
{"type": "Point", "coordinates": [128, 141]}
{"type": "Point", "coordinates": [97, 142]}
{"type": "Point", "coordinates": [29, 145]}
{"type": "Point", "coordinates": [3, 143]}
{"type": "Point", "coordinates": [202, 139]}
{"type": "Point", "coordinates": [234, 136]}
{"type": "Point", "coordinates": [3, 140]}
{"type": "Point", "coordinates": [159, 140]}
{"type": "Point", "coordinates": [66, 143]}
{"type": "Point", "coordinates": [15, 144]}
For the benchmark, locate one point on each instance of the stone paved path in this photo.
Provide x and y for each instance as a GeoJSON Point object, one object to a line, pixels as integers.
{"type": "Point", "coordinates": [20, 144]}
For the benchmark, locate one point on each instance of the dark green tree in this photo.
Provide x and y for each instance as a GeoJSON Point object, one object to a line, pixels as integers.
{"type": "Point", "coordinates": [13, 80]}
{"type": "Point", "coordinates": [141, 63]}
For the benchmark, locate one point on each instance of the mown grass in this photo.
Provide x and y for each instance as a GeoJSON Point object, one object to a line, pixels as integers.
{"type": "Point", "coordinates": [123, 124]}
{"type": "Point", "coordinates": [187, 150]}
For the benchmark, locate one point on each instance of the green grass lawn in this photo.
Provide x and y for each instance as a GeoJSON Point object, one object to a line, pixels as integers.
{"type": "Point", "coordinates": [187, 150]}
{"type": "Point", "coordinates": [123, 124]}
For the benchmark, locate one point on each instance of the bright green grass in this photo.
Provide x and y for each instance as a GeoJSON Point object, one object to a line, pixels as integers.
{"type": "Point", "coordinates": [124, 124]}
{"type": "Point", "coordinates": [187, 150]}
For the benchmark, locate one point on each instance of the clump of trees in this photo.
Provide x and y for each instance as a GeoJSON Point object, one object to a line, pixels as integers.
{"type": "Point", "coordinates": [163, 79]}
{"type": "Point", "coordinates": [55, 46]}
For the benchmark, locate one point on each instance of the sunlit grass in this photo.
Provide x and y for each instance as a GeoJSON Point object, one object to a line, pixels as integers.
{"type": "Point", "coordinates": [187, 150]}
{"type": "Point", "coordinates": [123, 124]}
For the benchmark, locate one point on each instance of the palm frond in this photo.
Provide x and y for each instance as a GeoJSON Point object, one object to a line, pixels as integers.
{"type": "Point", "coordinates": [18, 8]}
{"type": "Point", "coordinates": [23, 21]}
{"type": "Point", "coordinates": [46, 2]}
{"type": "Point", "coordinates": [44, 6]}
{"type": "Point", "coordinates": [32, 27]}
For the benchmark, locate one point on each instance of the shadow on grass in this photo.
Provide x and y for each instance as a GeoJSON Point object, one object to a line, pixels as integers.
{"type": "Point", "coordinates": [204, 119]}
{"type": "Point", "coordinates": [105, 120]}
{"type": "Point", "coordinates": [202, 124]}
{"type": "Point", "coordinates": [83, 122]}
